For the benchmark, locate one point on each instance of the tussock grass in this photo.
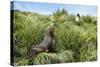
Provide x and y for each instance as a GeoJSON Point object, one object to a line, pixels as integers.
{"type": "Point", "coordinates": [74, 43]}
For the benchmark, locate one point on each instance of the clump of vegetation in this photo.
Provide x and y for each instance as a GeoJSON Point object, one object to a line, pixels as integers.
{"type": "Point", "coordinates": [73, 43]}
